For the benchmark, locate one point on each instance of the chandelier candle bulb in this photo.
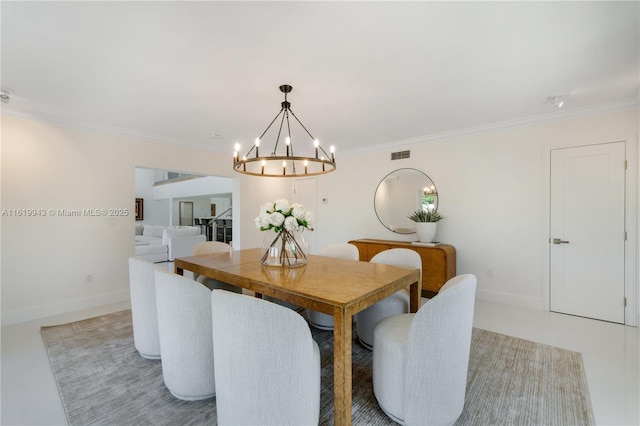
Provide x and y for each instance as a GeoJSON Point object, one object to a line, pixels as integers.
{"type": "Point", "coordinates": [306, 163]}
{"type": "Point", "coordinates": [236, 153]}
{"type": "Point", "coordinates": [288, 142]}
{"type": "Point", "coordinates": [284, 168]}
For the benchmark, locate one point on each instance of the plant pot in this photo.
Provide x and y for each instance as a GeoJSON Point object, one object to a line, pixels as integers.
{"type": "Point", "coordinates": [426, 231]}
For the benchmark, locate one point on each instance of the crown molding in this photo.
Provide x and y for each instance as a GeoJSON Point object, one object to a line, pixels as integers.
{"type": "Point", "coordinates": [502, 125]}
{"type": "Point", "coordinates": [78, 125]}
{"type": "Point", "coordinates": [559, 115]}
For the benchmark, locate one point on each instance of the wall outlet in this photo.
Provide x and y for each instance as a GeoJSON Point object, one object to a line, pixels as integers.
{"type": "Point", "coordinates": [89, 278]}
{"type": "Point", "coordinates": [489, 273]}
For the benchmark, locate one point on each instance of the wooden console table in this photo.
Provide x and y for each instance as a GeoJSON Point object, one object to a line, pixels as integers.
{"type": "Point", "coordinates": [438, 262]}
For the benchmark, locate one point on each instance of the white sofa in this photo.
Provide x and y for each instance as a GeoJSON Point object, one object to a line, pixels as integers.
{"type": "Point", "coordinates": [157, 243]}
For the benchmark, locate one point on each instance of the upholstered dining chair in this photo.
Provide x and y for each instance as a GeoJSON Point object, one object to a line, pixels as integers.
{"type": "Point", "coordinates": [338, 250]}
{"type": "Point", "coordinates": [420, 360]}
{"type": "Point", "coordinates": [209, 247]}
{"type": "Point", "coordinates": [144, 318]}
{"type": "Point", "coordinates": [397, 303]}
{"type": "Point", "coordinates": [186, 343]}
{"type": "Point", "coordinates": [267, 365]}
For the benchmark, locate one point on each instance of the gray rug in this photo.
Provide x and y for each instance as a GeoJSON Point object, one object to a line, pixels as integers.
{"type": "Point", "coordinates": [103, 381]}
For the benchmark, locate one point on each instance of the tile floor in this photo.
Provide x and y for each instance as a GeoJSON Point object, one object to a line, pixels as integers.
{"type": "Point", "coordinates": [610, 353]}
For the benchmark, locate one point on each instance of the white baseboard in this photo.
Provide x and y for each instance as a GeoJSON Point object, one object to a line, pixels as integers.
{"type": "Point", "coordinates": [510, 299]}
{"type": "Point", "coordinates": [43, 311]}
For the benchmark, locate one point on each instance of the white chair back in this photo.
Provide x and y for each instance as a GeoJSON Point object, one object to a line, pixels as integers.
{"type": "Point", "coordinates": [142, 288]}
{"type": "Point", "coordinates": [186, 342]}
{"type": "Point", "coordinates": [399, 257]}
{"type": "Point", "coordinates": [208, 247]}
{"type": "Point", "coordinates": [397, 303]}
{"type": "Point", "coordinates": [211, 247]}
{"type": "Point", "coordinates": [267, 364]}
{"type": "Point", "coordinates": [420, 361]}
{"type": "Point", "coordinates": [341, 251]}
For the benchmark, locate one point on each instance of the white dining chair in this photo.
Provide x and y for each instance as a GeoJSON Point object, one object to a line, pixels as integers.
{"type": "Point", "coordinates": [342, 251]}
{"type": "Point", "coordinates": [186, 342]}
{"type": "Point", "coordinates": [420, 361]}
{"type": "Point", "coordinates": [210, 247]}
{"type": "Point", "coordinates": [144, 317]}
{"type": "Point", "coordinates": [267, 365]}
{"type": "Point", "coordinates": [397, 303]}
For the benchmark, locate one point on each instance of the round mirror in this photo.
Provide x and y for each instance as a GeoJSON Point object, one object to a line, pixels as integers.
{"type": "Point", "coordinates": [401, 193]}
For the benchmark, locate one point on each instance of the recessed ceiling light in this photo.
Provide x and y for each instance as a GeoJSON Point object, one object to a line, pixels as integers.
{"type": "Point", "coordinates": [4, 96]}
{"type": "Point", "coordinates": [556, 101]}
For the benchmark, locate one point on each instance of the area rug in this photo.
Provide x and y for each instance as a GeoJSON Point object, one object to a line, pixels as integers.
{"type": "Point", "coordinates": [103, 381]}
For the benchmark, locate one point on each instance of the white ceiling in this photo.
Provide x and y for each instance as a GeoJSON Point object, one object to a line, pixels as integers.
{"type": "Point", "coordinates": [364, 73]}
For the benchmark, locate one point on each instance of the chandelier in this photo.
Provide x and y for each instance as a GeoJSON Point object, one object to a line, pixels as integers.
{"type": "Point", "coordinates": [287, 162]}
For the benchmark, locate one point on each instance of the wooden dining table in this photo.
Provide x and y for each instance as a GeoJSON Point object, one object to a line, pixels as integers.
{"type": "Point", "coordinates": [336, 287]}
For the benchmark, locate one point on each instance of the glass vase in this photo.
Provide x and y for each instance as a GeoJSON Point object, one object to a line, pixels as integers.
{"type": "Point", "coordinates": [284, 248]}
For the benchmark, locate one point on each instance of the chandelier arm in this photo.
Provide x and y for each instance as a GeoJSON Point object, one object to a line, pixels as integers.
{"type": "Point", "coordinates": [319, 146]}
{"type": "Point", "coordinates": [270, 124]}
{"type": "Point", "coordinates": [305, 129]}
{"type": "Point", "coordinates": [323, 151]}
{"type": "Point", "coordinates": [265, 131]}
{"type": "Point", "coordinates": [275, 148]}
{"type": "Point", "coordinates": [293, 163]}
{"type": "Point", "coordinates": [289, 130]}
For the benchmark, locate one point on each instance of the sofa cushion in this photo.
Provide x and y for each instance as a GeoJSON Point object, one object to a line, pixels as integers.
{"type": "Point", "coordinates": [157, 230]}
{"type": "Point", "coordinates": [187, 231]}
{"type": "Point", "coordinates": [153, 230]}
{"type": "Point", "coordinates": [148, 240]}
{"type": "Point", "coordinates": [150, 249]}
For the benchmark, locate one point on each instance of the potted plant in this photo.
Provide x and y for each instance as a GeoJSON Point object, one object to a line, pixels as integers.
{"type": "Point", "coordinates": [426, 224]}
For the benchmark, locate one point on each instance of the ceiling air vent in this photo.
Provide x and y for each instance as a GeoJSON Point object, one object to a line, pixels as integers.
{"type": "Point", "coordinates": [400, 155]}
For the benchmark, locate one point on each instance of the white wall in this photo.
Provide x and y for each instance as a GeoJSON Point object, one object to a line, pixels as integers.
{"type": "Point", "coordinates": [210, 185]}
{"type": "Point", "coordinates": [46, 260]}
{"type": "Point", "coordinates": [155, 212]}
{"type": "Point", "coordinates": [161, 203]}
{"type": "Point", "coordinates": [255, 192]}
{"type": "Point", "coordinates": [491, 190]}
{"type": "Point", "coordinates": [222, 205]}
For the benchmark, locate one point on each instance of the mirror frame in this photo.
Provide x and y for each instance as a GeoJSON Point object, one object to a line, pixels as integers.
{"type": "Point", "coordinates": [378, 207]}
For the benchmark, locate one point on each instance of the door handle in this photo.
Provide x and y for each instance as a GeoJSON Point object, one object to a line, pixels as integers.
{"type": "Point", "coordinates": [559, 241]}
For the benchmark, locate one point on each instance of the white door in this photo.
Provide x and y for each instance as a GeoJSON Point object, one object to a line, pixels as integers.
{"type": "Point", "coordinates": [304, 192]}
{"type": "Point", "coordinates": [587, 231]}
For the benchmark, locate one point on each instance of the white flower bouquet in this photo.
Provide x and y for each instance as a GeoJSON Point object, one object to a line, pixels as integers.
{"type": "Point", "coordinates": [285, 220]}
